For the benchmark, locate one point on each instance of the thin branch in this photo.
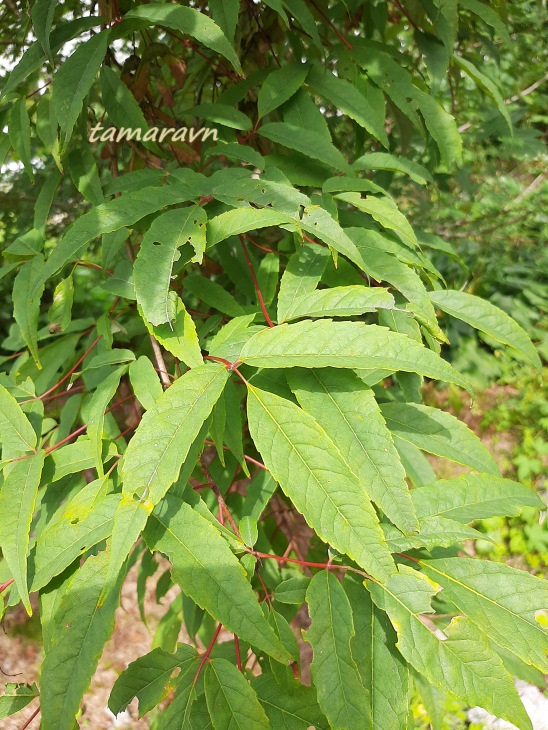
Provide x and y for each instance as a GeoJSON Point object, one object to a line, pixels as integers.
{"type": "Point", "coordinates": [330, 24]}
{"type": "Point", "coordinates": [67, 376]}
{"type": "Point", "coordinates": [256, 284]}
{"type": "Point", "coordinates": [529, 90]}
{"type": "Point", "coordinates": [31, 718]}
{"type": "Point", "coordinates": [223, 507]}
{"type": "Point", "coordinates": [207, 653]}
{"type": "Point", "coordinates": [164, 375]}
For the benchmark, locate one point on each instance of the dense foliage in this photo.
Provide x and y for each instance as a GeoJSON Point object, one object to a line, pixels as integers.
{"type": "Point", "coordinates": [227, 232]}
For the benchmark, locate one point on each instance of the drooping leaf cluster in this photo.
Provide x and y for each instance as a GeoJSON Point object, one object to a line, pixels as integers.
{"type": "Point", "coordinates": [222, 323]}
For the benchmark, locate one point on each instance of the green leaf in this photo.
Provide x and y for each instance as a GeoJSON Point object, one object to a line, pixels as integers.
{"type": "Point", "coordinates": [145, 382]}
{"type": "Point", "coordinates": [16, 433]}
{"type": "Point", "coordinates": [178, 336]}
{"type": "Point", "coordinates": [222, 114]}
{"type": "Point", "coordinates": [213, 294]}
{"type": "Point", "coordinates": [189, 22]}
{"type": "Point", "coordinates": [225, 14]}
{"type": "Point", "coordinates": [159, 251]}
{"type": "Point", "coordinates": [489, 16]}
{"type": "Point", "coordinates": [302, 275]}
{"type": "Point", "coordinates": [279, 86]}
{"type": "Point", "coordinates": [474, 497]}
{"type": "Point", "coordinates": [34, 56]}
{"type": "Point", "coordinates": [299, 10]}
{"type": "Point", "coordinates": [42, 20]}
{"type": "Point", "coordinates": [324, 343]}
{"type": "Point", "coordinates": [440, 433]}
{"type": "Point", "coordinates": [385, 212]}
{"type": "Point", "coordinates": [128, 523]}
{"type": "Point", "coordinates": [96, 413]}
{"type": "Point", "coordinates": [347, 98]}
{"type": "Point", "coordinates": [177, 714]}
{"type": "Point", "coordinates": [487, 318]}
{"type": "Point", "coordinates": [120, 104]}
{"type": "Point", "coordinates": [106, 218]}
{"type": "Point", "coordinates": [15, 697]}
{"type": "Point", "coordinates": [384, 161]}
{"type": "Point", "coordinates": [79, 633]}
{"type": "Point", "coordinates": [60, 312]}
{"type": "Point", "coordinates": [231, 701]}
{"type": "Point", "coordinates": [442, 127]}
{"type": "Point", "coordinates": [19, 133]}
{"type": "Point", "coordinates": [341, 694]}
{"type": "Point", "coordinates": [381, 667]}
{"type": "Point", "coordinates": [84, 174]}
{"type": "Point", "coordinates": [383, 266]}
{"type": "Point", "coordinates": [346, 408]}
{"type": "Point", "coordinates": [163, 438]}
{"type": "Point", "coordinates": [312, 472]}
{"type": "Point", "coordinates": [149, 678]}
{"type": "Point", "coordinates": [44, 201]}
{"type": "Point", "coordinates": [486, 85]}
{"type": "Point", "coordinates": [241, 220]}
{"type": "Point", "coordinates": [464, 664]}
{"type": "Point", "coordinates": [26, 304]}
{"type": "Point", "coordinates": [504, 603]}
{"type": "Point", "coordinates": [74, 79]}
{"type": "Point", "coordinates": [110, 357]}
{"type": "Point", "coordinates": [209, 573]}
{"type": "Point", "coordinates": [69, 537]}
{"type": "Point", "coordinates": [17, 503]}
{"type": "Point", "coordinates": [307, 142]}
{"type": "Point", "coordinates": [292, 590]}
{"type": "Point", "coordinates": [293, 708]}
{"type": "Point", "coordinates": [433, 532]}
{"type": "Point", "coordinates": [340, 301]}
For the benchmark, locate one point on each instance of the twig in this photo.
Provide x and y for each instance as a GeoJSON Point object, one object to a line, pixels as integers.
{"type": "Point", "coordinates": [223, 507]}
{"type": "Point", "coordinates": [164, 375]}
{"type": "Point", "coordinates": [31, 718]}
{"type": "Point", "coordinates": [328, 21]}
{"type": "Point", "coordinates": [256, 284]}
{"type": "Point", "coordinates": [529, 90]}
{"type": "Point", "coordinates": [67, 376]}
{"type": "Point", "coordinates": [208, 651]}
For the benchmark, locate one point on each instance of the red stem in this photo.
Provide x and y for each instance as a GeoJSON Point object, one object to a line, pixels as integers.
{"type": "Point", "coordinates": [328, 21]}
{"type": "Point", "coordinates": [246, 457]}
{"type": "Point", "coordinates": [67, 376]}
{"type": "Point", "coordinates": [257, 245]}
{"type": "Point", "coordinates": [31, 718]}
{"type": "Point", "coordinates": [84, 427]}
{"type": "Point", "coordinates": [229, 365]}
{"type": "Point", "coordinates": [281, 559]}
{"type": "Point", "coordinates": [256, 283]}
{"type": "Point", "coordinates": [238, 655]}
{"type": "Point", "coordinates": [5, 585]}
{"type": "Point", "coordinates": [208, 651]}
{"type": "Point", "coordinates": [71, 391]}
